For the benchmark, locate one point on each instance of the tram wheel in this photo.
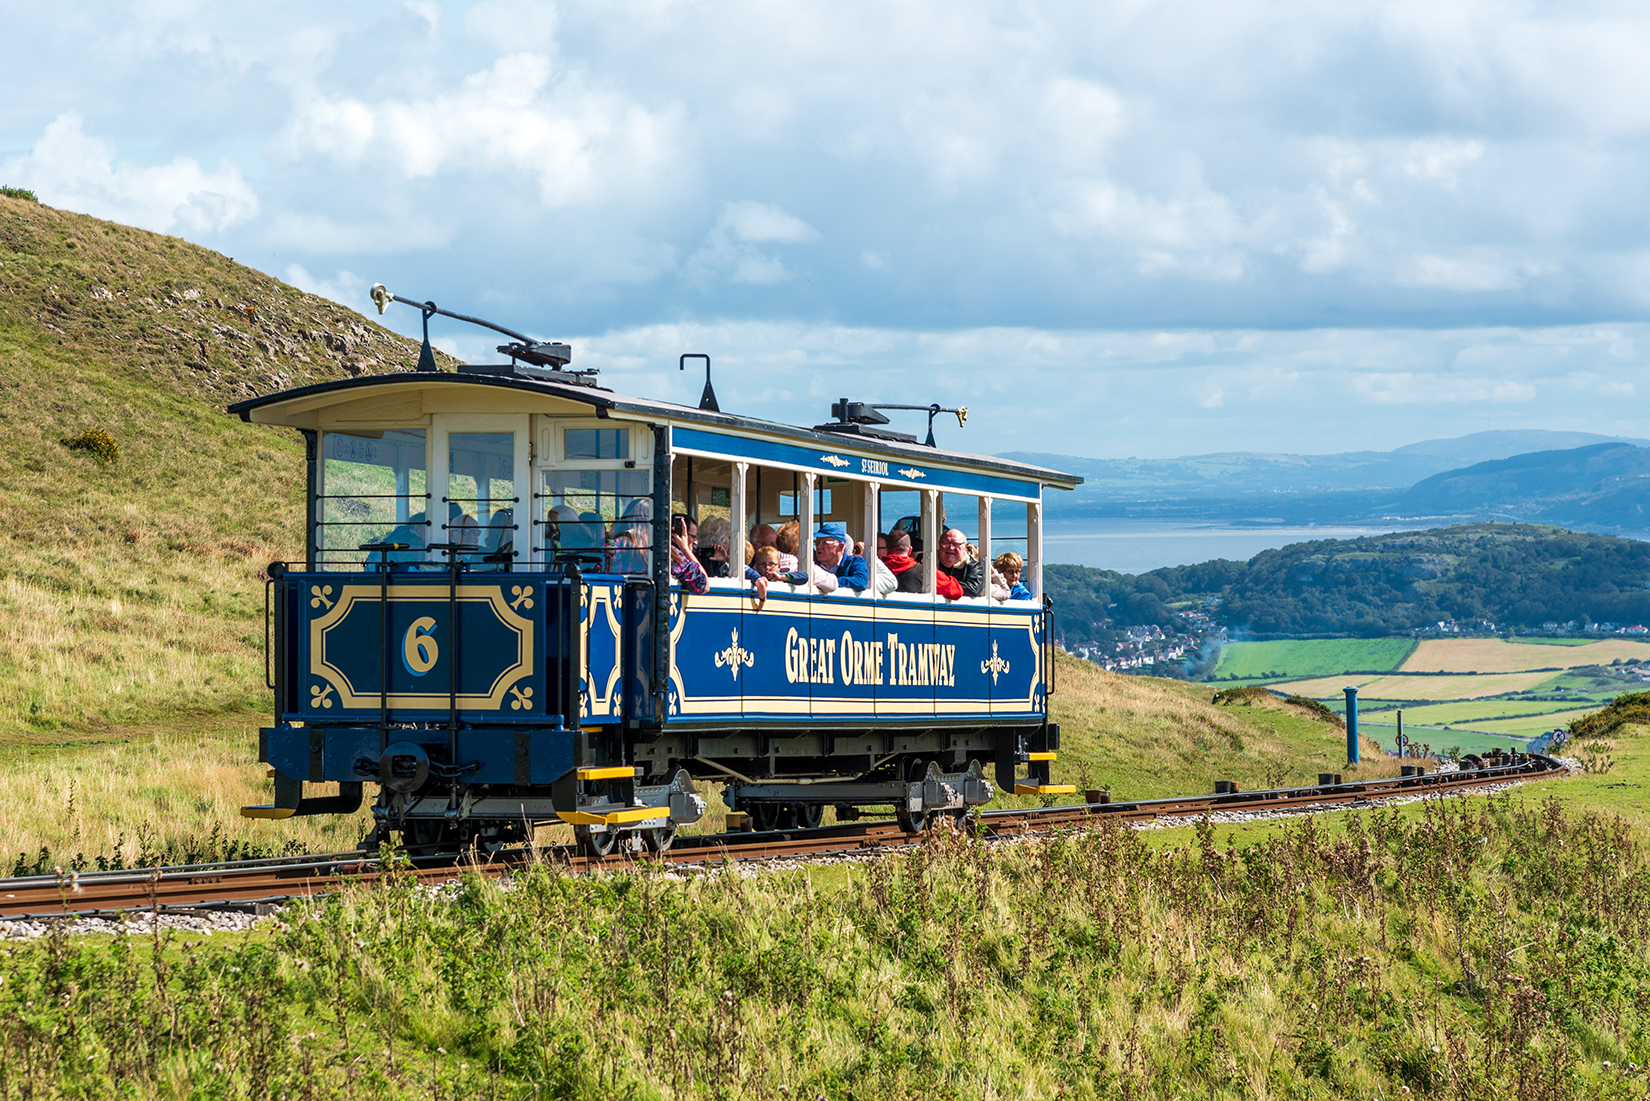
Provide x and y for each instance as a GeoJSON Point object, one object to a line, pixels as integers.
{"type": "Point", "coordinates": [911, 821]}
{"type": "Point", "coordinates": [427, 837]}
{"type": "Point", "coordinates": [764, 816]}
{"type": "Point", "coordinates": [659, 840]}
{"type": "Point", "coordinates": [596, 845]}
{"type": "Point", "coordinates": [810, 815]}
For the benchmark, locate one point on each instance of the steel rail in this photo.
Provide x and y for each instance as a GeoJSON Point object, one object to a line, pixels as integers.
{"type": "Point", "coordinates": [250, 883]}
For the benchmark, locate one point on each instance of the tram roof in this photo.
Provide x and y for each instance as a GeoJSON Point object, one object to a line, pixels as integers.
{"type": "Point", "coordinates": [300, 408]}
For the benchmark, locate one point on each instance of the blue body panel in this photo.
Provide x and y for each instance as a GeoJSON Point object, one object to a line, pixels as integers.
{"type": "Point", "coordinates": [840, 660]}
{"type": "Point", "coordinates": [854, 660]}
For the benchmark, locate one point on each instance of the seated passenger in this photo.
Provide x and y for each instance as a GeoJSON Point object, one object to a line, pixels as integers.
{"type": "Point", "coordinates": [462, 529]}
{"type": "Point", "coordinates": [765, 563]}
{"type": "Point", "coordinates": [763, 535]}
{"type": "Point", "coordinates": [907, 573]}
{"type": "Point", "coordinates": [846, 571]}
{"type": "Point", "coordinates": [1009, 566]}
{"type": "Point", "coordinates": [500, 536]}
{"type": "Point", "coordinates": [965, 575]}
{"type": "Point", "coordinates": [684, 565]}
{"type": "Point", "coordinates": [710, 542]}
{"type": "Point", "coordinates": [789, 541]}
{"type": "Point", "coordinates": [633, 540]}
{"type": "Point", "coordinates": [881, 576]}
{"type": "Point", "coordinates": [410, 532]}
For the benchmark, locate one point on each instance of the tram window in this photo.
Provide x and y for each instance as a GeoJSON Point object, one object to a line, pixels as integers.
{"type": "Point", "coordinates": [822, 502]}
{"type": "Point", "coordinates": [374, 489]}
{"type": "Point", "coordinates": [595, 443]}
{"type": "Point", "coordinates": [595, 510]}
{"type": "Point", "coordinates": [481, 489]}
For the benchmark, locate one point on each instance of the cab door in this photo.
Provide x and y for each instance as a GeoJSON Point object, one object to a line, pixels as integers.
{"type": "Point", "coordinates": [479, 485]}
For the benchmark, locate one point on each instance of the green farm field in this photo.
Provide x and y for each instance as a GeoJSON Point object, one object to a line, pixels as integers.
{"type": "Point", "coordinates": [1300, 658]}
{"type": "Point", "coordinates": [1472, 711]}
{"type": "Point", "coordinates": [1440, 741]}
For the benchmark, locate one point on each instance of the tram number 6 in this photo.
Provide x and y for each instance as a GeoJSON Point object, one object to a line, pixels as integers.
{"type": "Point", "coordinates": [418, 648]}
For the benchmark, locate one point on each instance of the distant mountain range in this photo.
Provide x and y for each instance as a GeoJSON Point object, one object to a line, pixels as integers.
{"type": "Point", "coordinates": [1572, 479]}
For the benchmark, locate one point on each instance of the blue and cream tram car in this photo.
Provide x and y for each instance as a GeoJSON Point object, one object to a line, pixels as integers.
{"type": "Point", "coordinates": [485, 627]}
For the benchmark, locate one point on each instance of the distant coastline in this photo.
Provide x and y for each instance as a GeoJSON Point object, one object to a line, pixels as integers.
{"type": "Point", "coordinates": [1138, 545]}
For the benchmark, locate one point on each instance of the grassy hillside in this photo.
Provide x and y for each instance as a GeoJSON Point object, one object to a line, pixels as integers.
{"type": "Point", "coordinates": [131, 590]}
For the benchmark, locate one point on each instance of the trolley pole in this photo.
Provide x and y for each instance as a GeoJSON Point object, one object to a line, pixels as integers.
{"type": "Point", "coordinates": [1351, 725]}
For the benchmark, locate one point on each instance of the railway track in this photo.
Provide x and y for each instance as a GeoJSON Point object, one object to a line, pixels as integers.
{"type": "Point", "coordinates": [249, 884]}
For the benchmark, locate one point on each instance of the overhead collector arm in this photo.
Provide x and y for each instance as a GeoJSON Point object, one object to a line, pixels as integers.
{"type": "Point", "coordinates": [533, 351]}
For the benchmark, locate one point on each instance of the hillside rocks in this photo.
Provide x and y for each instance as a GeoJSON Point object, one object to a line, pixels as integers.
{"type": "Point", "coordinates": [213, 329]}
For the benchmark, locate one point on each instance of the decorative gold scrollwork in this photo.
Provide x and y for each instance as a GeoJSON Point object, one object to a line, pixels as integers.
{"type": "Point", "coordinates": [994, 665]}
{"type": "Point", "coordinates": [320, 596]}
{"type": "Point", "coordinates": [735, 656]}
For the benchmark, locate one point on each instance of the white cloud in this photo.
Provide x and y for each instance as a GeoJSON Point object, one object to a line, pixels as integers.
{"type": "Point", "coordinates": [71, 169]}
{"type": "Point", "coordinates": [1456, 273]}
{"type": "Point", "coordinates": [730, 247]}
{"type": "Point", "coordinates": [581, 145]}
{"type": "Point", "coordinates": [763, 224]}
{"type": "Point", "coordinates": [345, 288]}
{"type": "Point", "coordinates": [1407, 388]}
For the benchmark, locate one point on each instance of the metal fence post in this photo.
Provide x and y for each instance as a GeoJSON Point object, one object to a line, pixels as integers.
{"type": "Point", "coordinates": [1351, 725]}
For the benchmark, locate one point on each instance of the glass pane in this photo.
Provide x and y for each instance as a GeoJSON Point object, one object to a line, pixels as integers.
{"type": "Point", "coordinates": [481, 490]}
{"type": "Point", "coordinates": [606, 511]}
{"type": "Point", "coordinates": [596, 443]}
{"type": "Point", "coordinates": [373, 490]}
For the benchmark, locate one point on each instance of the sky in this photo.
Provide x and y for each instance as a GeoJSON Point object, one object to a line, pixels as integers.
{"type": "Point", "coordinates": [1109, 229]}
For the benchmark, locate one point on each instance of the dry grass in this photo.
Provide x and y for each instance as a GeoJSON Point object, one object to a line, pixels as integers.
{"type": "Point", "coordinates": [1444, 688]}
{"type": "Point", "coordinates": [1145, 738]}
{"type": "Point", "coordinates": [130, 590]}
{"type": "Point", "coordinates": [153, 789]}
{"type": "Point", "coordinates": [1494, 655]}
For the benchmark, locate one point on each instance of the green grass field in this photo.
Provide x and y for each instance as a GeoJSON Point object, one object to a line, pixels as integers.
{"type": "Point", "coordinates": [1300, 658]}
{"type": "Point", "coordinates": [1441, 714]}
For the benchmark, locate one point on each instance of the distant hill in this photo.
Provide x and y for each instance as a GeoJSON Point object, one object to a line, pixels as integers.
{"type": "Point", "coordinates": [131, 589]}
{"type": "Point", "coordinates": [1606, 485]}
{"type": "Point", "coordinates": [1509, 574]}
{"type": "Point", "coordinates": [1245, 474]}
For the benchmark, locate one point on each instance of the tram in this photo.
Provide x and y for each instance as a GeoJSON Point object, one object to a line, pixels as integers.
{"type": "Point", "coordinates": [485, 629]}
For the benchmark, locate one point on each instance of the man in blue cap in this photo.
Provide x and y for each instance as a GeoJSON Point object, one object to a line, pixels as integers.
{"type": "Point", "coordinates": [831, 554]}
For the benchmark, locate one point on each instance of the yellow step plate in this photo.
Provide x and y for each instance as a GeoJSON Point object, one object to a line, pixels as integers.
{"type": "Point", "coordinates": [610, 772]}
{"type": "Point", "coordinates": [1042, 756]}
{"type": "Point", "coordinates": [268, 812]}
{"type": "Point", "coordinates": [1044, 789]}
{"type": "Point", "coordinates": [613, 818]}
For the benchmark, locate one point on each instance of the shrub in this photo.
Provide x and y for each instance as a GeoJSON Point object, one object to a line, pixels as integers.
{"type": "Point", "coordinates": [98, 443]}
{"type": "Point", "coordinates": [1318, 709]}
{"type": "Point", "coordinates": [19, 193]}
{"type": "Point", "coordinates": [1245, 696]}
{"type": "Point", "coordinates": [1631, 708]}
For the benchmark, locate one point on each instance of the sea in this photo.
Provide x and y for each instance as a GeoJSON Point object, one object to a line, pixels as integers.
{"type": "Point", "coordinates": [1136, 546]}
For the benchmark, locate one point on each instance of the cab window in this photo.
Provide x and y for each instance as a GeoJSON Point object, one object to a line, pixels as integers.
{"type": "Point", "coordinates": [373, 489]}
